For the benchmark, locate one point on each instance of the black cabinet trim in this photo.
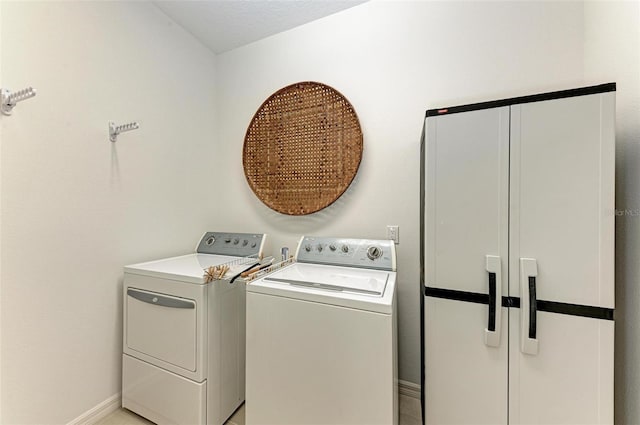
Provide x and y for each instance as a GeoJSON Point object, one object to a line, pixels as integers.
{"type": "Point", "coordinates": [582, 91]}
{"type": "Point", "coordinates": [576, 310]}
{"type": "Point", "coordinates": [580, 310]}
{"type": "Point", "coordinates": [450, 294]}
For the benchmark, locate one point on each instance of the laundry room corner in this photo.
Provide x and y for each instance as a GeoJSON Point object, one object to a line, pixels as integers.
{"type": "Point", "coordinates": [129, 141]}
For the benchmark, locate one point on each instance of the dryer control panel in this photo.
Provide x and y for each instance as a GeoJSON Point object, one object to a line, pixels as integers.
{"type": "Point", "coordinates": [236, 244]}
{"type": "Point", "coordinates": [367, 253]}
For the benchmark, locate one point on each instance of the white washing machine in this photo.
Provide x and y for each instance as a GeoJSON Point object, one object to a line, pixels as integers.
{"type": "Point", "coordinates": [321, 337]}
{"type": "Point", "coordinates": [183, 339]}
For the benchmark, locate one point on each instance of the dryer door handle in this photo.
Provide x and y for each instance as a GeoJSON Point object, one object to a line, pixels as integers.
{"type": "Point", "coordinates": [161, 300]}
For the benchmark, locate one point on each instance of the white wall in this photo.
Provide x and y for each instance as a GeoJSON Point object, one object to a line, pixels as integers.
{"type": "Point", "coordinates": [76, 207]}
{"type": "Point", "coordinates": [392, 60]}
{"type": "Point", "coordinates": [612, 53]}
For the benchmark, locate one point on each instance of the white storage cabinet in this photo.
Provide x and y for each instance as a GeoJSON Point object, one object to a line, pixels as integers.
{"type": "Point", "coordinates": [518, 267]}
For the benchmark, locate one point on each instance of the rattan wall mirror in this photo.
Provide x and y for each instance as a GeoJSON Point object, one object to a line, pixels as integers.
{"type": "Point", "coordinates": [302, 148]}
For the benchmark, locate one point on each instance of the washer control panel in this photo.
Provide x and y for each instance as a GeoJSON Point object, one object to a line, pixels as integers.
{"type": "Point", "coordinates": [236, 244]}
{"type": "Point", "coordinates": [368, 253]}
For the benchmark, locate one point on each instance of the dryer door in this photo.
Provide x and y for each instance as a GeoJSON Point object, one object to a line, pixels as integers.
{"type": "Point", "coordinates": [162, 326]}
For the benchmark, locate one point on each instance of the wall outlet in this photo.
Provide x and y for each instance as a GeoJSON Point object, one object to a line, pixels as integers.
{"type": "Point", "coordinates": [393, 233]}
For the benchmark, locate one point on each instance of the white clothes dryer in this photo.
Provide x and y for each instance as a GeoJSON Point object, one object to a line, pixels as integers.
{"type": "Point", "coordinates": [184, 339]}
{"type": "Point", "coordinates": [321, 337]}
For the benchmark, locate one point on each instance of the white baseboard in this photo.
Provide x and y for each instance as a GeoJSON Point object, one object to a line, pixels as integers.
{"type": "Point", "coordinates": [409, 389]}
{"type": "Point", "coordinates": [114, 402]}
{"type": "Point", "coordinates": [98, 412]}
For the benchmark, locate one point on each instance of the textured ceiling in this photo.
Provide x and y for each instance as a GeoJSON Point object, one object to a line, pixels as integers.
{"type": "Point", "coordinates": [223, 25]}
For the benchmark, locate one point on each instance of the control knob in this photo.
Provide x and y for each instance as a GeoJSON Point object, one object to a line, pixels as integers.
{"type": "Point", "coordinates": [307, 247]}
{"type": "Point", "coordinates": [374, 252]}
{"type": "Point", "coordinates": [320, 248]}
{"type": "Point", "coordinates": [332, 247]}
{"type": "Point", "coordinates": [245, 242]}
{"type": "Point", "coordinates": [345, 248]}
{"type": "Point", "coordinates": [235, 241]}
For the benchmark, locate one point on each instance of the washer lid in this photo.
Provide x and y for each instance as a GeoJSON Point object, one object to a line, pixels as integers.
{"type": "Point", "coordinates": [186, 268]}
{"type": "Point", "coordinates": [365, 289]}
{"type": "Point", "coordinates": [342, 279]}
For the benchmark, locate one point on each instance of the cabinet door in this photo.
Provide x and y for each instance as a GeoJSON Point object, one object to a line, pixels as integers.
{"type": "Point", "coordinates": [465, 380]}
{"type": "Point", "coordinates": [561, 261]}
{"type": "Point", "coordinates": [570, 380]}
{"type": "Point", "coordinates": [562, 197]}
{"type": "Point", "coordinates": [466, 224]}
{"type": "Point", "coordinates": [467, 190]}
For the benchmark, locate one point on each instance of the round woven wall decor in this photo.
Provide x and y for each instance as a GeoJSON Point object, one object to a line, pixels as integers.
{"type": "Point", "coordinates": [302, 148]}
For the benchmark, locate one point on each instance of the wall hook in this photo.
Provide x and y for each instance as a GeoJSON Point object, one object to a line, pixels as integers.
{"type": "Point", "coordinates": [114, 130]}
{"type": "Point", "coordinates": [9, 99]}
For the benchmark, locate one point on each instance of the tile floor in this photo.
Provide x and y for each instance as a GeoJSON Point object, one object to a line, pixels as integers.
{"type": "Point", "coordinates": [409, 415]}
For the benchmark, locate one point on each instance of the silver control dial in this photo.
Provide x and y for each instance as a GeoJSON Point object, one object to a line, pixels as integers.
{"type": "Point", "coordinates": [374, 252]}
{"type": "Point", "coordinates": [345, 248]}
{"type": "Point", "coordinates": [332, 247]}
{"type": "Point", "coordinates": [210, 240]}
{"type": "Point", "coordinates": [320, 248]}
{"type": "Point", "coordinates": [307, 248]}
{"type": "Point", "coordinates": [245, 242]}
{"type": "Point", "coordinates": [235, 241]}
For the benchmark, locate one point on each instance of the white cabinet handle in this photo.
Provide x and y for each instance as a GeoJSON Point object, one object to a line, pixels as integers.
{"type": "Point", "coordinates": [528, 306]}
{"type": "Point", "coordinates": [492, 332]}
